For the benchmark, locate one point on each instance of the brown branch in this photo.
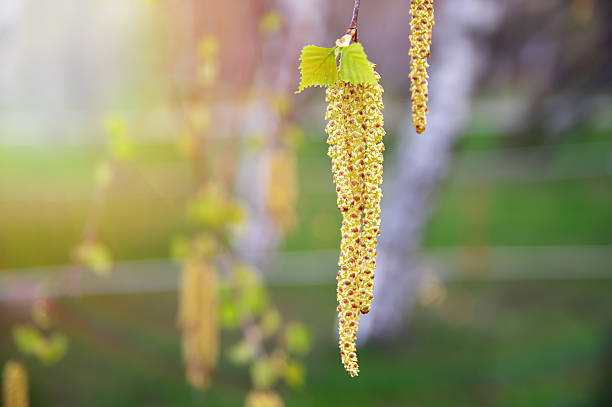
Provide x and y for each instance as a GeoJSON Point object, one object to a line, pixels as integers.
{"type": "Point", "coordinates": [352, 30]}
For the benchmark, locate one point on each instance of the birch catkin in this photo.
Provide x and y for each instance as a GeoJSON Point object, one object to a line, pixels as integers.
{"type": "Point", "coordinates": [263, 398]}
{"type": "Point", "coordinates": [282, 191]}
{"type": "Point", "coordinates": [198, 320]}
{"type": "Point", "coordinates": [421, 24]}
{"type": "Point", "coordinates": [355, 129]}
{"type": "Point", "coordinates": [15, 385]}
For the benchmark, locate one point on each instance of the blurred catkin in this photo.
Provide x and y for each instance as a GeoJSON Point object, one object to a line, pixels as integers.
{"type": "Point", "coordinates": [263, 398]}
{"type": "Point", "coordinates": [355, 129]}
{"type": "Point", "coordinates": [282, 191]}
{"type": "Point", "coordinates": [198, 321]}
{"type": "Point", "coordinates": [15, 385]}
{"type": "Point", "coordinates": [421, 25]}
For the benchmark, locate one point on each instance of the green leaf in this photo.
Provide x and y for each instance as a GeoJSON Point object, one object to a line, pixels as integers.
{"type": "Point", "coordinates": [96, 257]}
{"type": "Point", "coordinates": [213, 210]}
{"type": "Point", "coordinates": [53, 349]}
{"type": "Point", "coordinates": [355, 67]}
{"type": "Point", "coordinates": [270, 322]}
{"type": "Point", "coordinates": [318, 67]}
{"type": "Point", "coordinates": [27, 338]}
{"type": "Point", "coordinates": [228, 312]}
{"type": "Point", "coordinates": [30, 341]}
{"type": "Point", "coordinates": [252, 294]}
{"type": "Point", "coordinates": [264, 373]}
{"type": "Point", "coordinates": [241, 353]}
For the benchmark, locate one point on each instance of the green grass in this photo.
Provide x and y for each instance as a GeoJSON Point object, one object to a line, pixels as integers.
{"type": "Point", "coordinates": [494, 344]}
{"type": "Point", "coordinates": [46, 195]}
{"type": "Point", "coordinates": [563, 212]}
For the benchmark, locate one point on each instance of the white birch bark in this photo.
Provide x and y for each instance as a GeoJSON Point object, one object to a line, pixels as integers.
{"type": "Point", "coordinates": [421, 161]}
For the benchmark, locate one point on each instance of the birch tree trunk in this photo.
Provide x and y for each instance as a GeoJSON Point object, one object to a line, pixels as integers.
{"type": "Point", "coordinates": [421, 161]}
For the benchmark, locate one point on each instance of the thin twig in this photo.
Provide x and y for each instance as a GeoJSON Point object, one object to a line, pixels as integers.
{"type": "Point", "coordinates": [352, 30]}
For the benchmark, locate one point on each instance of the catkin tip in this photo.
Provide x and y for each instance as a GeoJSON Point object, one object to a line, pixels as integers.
{"type": "Point", "coordinates": [15, 385]}
{"type": "Point", "coordinates": [198, 321]}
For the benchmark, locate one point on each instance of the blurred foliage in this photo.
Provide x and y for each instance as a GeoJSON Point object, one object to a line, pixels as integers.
{"type": "Point", "coordinates": [249, 292]}
{"type": "Point", "coordinates": [297, 339]}
{"type": "Point", "coordinates": [230, 316]}
{"type": "Point", "coordinates": [30, 341]}
{"type": "Point", "coordinates": [264, 373]}
{"type": "Point", "coordinates": [271, 322]}
{"type": "Point", "coordinates": [95, 256]}
{"type": "Point", "coordinates": [121, 146]}
{"type": "Point", "coordinates": [241, 353]}
{"type": "Point", "coordinates": [213, 210]}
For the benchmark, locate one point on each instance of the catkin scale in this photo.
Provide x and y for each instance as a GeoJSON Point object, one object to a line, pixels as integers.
{"type": "Point", "coordinates": [15, 385]}
{"type": "Point", "coordinates": [421, 25]}
{"type": "Point", "coordinates": [355, 131]}
{"type": "Point", "coordinates": [198, 321]}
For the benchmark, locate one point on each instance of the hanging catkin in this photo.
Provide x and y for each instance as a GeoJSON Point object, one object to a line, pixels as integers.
{"type": "Point", "coordinates": [198, 321]}
{"type": "Point", "coordinates": [355, 129]}
{"type": "Point", "coordinates": [282, 193]}
{"type": "Point", "coordinates": [263, 398]}
{"type": "Point", "coordinates": [15, 385]}
{"type": "Point", "coordinates": [421, 24]}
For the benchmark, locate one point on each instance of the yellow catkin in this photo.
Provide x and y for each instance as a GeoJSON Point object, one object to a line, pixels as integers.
{"type": "Point", "coordinates": [355, 129]}
{"type": "Point", "coordinates": [372, 192]}
{"type": "Point", "coordinates": [421, 24]}
{"type": "Point", "coordinates": [198, 321]}
{"type": "Point", "coordinates": [263, 398]}
{"type": "Point", "coordinates": [282, 193]}
{"type": "Point", "coordinates": [15, 385]}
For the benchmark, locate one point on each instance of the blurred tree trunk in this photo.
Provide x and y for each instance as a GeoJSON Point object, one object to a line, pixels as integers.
{"type": "Point", "coordinates": [421, 161]}
{"type": "Point", "coordinates": [277, 76]}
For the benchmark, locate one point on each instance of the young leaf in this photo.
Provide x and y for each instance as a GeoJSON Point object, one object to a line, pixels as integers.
{"type": "Point", "coordinates": [241, 353]}
{"type": "Point", "coordinates": [355, 67]}
{"type": "Point", "coordinates": [264, 374]}
{"type": "Point", "coordinates": [96, 256]}
{"type": "Point", "coordinates": [27, 338]}
{"type": "Point", "coordinates": [318, 67]}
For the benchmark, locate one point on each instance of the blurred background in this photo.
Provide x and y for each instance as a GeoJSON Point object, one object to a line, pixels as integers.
{"type": "Point", "coordinates": [125, 124]}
